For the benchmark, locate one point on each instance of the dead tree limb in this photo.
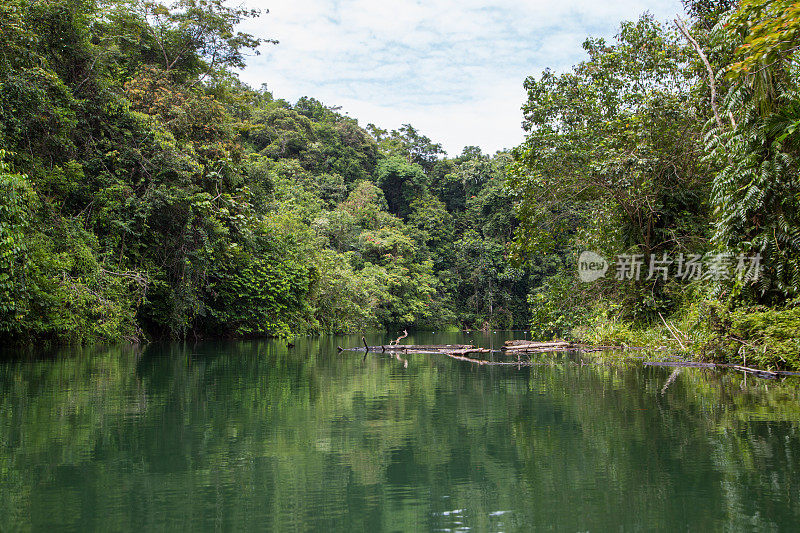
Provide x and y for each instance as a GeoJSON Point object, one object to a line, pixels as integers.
{"type": "Point", "coordinates": [674, 335]}
{"type": "Point", "coordinates": [711, 78]}
{"type": "Point", "coordinates": [396, 342]}
{"type": "Point", "coordinates": [460, 351]}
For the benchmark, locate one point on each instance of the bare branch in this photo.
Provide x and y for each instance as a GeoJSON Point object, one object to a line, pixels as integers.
{"type": "Point", "coordinates": [711, 77]}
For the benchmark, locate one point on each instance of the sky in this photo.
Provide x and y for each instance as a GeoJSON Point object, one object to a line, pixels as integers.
{"type": "Point", "coordinates": [453, 69]}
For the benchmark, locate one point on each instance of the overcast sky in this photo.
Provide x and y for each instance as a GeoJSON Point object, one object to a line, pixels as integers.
{"type": "Point", "coordinates": [452, 68]}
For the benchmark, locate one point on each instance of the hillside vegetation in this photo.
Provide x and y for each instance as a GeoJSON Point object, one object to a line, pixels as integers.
{"type": "Point", "coordinates": [146, 192]}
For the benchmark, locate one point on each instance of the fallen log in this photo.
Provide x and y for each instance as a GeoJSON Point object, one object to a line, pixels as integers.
{"type": "Point", "coordinates": [538, 346]}
{"type": "Point", "coordinates": [764, 374]}
{"type": "Point", "coordinates": [404, 347]}
{"type": "Point", "coordinates": [541, 350]}
{"type": "Point", "coordinates": [409, 348]}
{"type": "Point", "coordinates": [521, 343]}
{"type": "Point", "coordinates": [561, 346]}
{"type": "Point", "coordinates": [529, 347]}
{"type": "Point", "coordinates": [465, 351]}
{"type": "Point", "coordinates": [460, 352]}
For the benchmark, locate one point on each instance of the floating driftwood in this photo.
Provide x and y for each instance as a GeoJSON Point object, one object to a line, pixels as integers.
{"type": "Point", "coordinates": [426, 347]}
{"type": "Point", "coordinates": [461, 351]}
{"type": "Point", "coordinates": [416, 348]}
{"type": "Point", "coordinates": [536, 346]}
{"type": "Point", "coordinates": [520, 347]}
{"type": "Point", "coordinates": [465, 351]}
{"type": "Point", "coordinates": [510, 347]}
{"type": "Point", "coordinates": [518, 344]}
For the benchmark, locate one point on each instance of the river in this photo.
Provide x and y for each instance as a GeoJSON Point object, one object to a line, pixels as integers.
{"type": "Point", "coordinates": [253, 435]}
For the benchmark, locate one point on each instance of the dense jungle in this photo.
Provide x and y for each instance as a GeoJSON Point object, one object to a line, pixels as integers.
{"type": "Point", "coordinates": [146, 192]}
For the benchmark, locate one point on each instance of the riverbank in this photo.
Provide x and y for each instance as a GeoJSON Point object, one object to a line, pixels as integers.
{"type": "Point", "coordinates": [757, 337]}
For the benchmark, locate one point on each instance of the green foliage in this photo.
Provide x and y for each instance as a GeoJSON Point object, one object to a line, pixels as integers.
{"type": "Point", "coordinates": [753, 336]}
{"type": "Point", "coordinates": [707, 13]}
{"type": "Point", "coordinates": [401, 182]}
{"type": "Point", "coordinates": [15, 196]}
{"type": "Point", "coordinates": [51, 284]}
{"type": "Point", "coordinates": [346, 300]}
{"type": "Point", "coordinates": [192, 37]}
{"type": "Point", "coordinates": [607, 331]}
{"type": "Point", "coordinates": [319, 138]}
{"type": "Point", "coordinates": [756, 193]}
{"type": "Point", "coordinates": [611, 163]}
{"type": "Point", "coordinates": [164, 197]}
{"type": "Point", "coordinates": [628, 154]}
{"type": "Point", "coordinates": [73, 298]}
{"type": "Point", "coordinates": [409, 144]}
{"type": "Point", "coordinates": [430, 217]}
{"type": "Point", "coordinates": [616, 130]}
{"type": "Point", "coordinates": [555, 310]}
{"type": "Point", "coordinates": [258, 296]}
{"type": "Point", "coordinates": [769, 31]}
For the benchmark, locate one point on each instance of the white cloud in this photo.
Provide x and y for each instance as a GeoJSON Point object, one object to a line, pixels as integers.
{"type": "Point", "coordinates": [452, 68]}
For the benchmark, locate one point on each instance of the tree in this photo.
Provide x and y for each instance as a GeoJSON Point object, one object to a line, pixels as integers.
{"type": "Point", "coordinates": [401, 183]}
{"type": "Point", "coordinates": [410, 144]}
{"type": "Point", "coordinates": [195, 37]}
{"type": "Point", "coordinates": [756, 191]}
{"type": "Point", "coordinates": [611, 160]}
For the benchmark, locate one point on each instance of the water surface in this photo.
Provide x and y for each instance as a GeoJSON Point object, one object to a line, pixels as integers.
{"type": "Point", "coordinates": [257, 436]}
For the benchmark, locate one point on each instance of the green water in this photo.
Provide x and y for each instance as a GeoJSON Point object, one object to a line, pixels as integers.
{"type": "Point", "coordinates": [256, 436]}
